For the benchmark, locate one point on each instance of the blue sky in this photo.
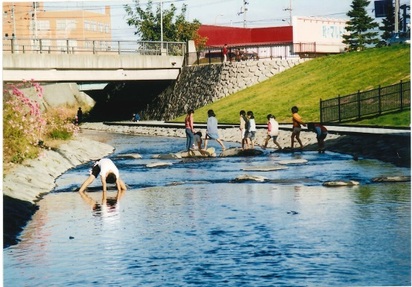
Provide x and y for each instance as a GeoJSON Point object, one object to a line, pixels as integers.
{"type": "Point", "coordinates": [221, 12]}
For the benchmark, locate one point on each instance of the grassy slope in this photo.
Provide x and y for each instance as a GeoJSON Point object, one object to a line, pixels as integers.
{"type": "Point", "coordinates": [305, 84]}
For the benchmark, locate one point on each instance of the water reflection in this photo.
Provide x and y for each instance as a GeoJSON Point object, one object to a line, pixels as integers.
{"type": "Point", "coordinates": [107, 205]}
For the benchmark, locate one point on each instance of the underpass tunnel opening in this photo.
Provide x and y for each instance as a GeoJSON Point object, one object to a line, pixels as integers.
{"type": "Point", "coordinates": [118, 101]}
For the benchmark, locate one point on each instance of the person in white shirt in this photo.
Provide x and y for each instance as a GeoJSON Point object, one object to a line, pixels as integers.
{"type": "Point", "coordinates": [273, 131]}
{"type": "Point", "coordinates": [108, 174]}
{"type": "Point", "coordinates": [250, 129]}
{"type": "Point", "coordinates": [212, 130]}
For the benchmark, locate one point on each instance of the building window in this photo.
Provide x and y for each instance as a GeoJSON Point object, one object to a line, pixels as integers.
{"type": "Point", "coordinates": [43, 25]}
{"type": "Point", "coordinates": [66, 25]}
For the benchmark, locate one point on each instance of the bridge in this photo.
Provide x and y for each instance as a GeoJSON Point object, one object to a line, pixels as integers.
{"type": "Point", "coordinates": [91, 61]}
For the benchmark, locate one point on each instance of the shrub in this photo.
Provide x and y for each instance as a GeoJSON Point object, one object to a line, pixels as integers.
{"type": "Point", "coordinates": [60, 123]}
{"type": "Point", "coordinates": [23, 123]}
{"type": "Point", "coordinates": [25, 127]}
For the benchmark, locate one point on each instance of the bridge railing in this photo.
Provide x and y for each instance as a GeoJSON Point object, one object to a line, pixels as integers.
{"type": "Point", "coordinates": [366, 104]}
{"type": "Point", "coordinates": [96, 46]}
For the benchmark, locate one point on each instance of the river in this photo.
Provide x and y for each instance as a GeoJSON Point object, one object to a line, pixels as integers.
{"type": "Point", "coordinates": [191, 224]}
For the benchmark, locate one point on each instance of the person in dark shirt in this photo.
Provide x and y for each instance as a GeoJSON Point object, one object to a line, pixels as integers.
{"type": "Point", "coordinates": [321, 133]}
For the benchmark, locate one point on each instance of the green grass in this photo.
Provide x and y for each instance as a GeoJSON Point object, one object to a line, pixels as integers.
{"type": "Point", "coordinates": [321, 78]}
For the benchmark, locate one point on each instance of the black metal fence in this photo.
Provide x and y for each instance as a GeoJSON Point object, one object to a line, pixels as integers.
{"type": "Point", "coordinates": [366, 104]}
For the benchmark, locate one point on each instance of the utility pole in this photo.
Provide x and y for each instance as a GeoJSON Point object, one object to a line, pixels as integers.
{"type": "Point", "coordinates": [243, 11]}
{"type": "Point", "coordinates": [14, 20]}
{"type": "Point", "coordinates": [290, 11]}
{"type": "Point", "coordinates": [161, 24]}
{"type": "Point", "coordinates": [396, 16]}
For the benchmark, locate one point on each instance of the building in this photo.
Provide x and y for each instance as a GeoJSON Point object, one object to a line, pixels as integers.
{"type": "Point", "coordinates": [30, 27]}
{"type": "Point", "coordinates": [307, 37]}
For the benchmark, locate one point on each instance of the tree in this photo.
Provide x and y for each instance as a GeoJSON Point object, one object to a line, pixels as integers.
{"type": "Point", "coordinates": [175, 27]}
{"type": "Point", "coordinates": [359, 27]}
{"type": "Point", "coordinates": [388, 23]}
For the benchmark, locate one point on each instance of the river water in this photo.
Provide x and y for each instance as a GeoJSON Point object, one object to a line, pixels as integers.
{"type": "Point", "coordinates": [191, 224]}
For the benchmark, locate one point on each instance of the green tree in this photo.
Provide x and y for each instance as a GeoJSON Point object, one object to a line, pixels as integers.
{"type": "Point", "coordinates": [359, 27]}
{"type": "Point", "coordinates": [175, 27]}
{"type": "Point", "coordinates": [388, 23]}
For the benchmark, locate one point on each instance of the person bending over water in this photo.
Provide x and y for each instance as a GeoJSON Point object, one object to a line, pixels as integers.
{"type": "Point", "coordinates": [108, 174]}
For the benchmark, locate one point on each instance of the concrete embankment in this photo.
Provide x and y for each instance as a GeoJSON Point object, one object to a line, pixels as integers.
{"type": "Point", "coordinates": [26, 183]}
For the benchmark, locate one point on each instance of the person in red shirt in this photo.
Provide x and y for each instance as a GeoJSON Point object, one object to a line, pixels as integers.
{"type": "Point", "coordinates": [224, 52]}
{"type": "Point", "coordinates": [190, 131]}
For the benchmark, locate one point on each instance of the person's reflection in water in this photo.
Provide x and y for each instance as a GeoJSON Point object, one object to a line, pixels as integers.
{"type": "Point", "coordinates": [108, 204]}
{"type": "Point", "coordinates": [108, 174]}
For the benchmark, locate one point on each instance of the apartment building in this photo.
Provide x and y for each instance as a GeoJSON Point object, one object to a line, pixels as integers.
{"type": "Point", "coordinates": [29, 26]}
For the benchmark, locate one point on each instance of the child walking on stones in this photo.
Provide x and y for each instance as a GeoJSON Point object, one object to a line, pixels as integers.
{"type": "Point", "coordinates": [242, 128]}
{"type": "Point", "coordinates": [251, 129]}
{"type": "Point", "coordinates": [211, 130]}
{"type": "Point", "coordinates": [297, 126]}
{"type": "Point", "coordinates": [272, 132]}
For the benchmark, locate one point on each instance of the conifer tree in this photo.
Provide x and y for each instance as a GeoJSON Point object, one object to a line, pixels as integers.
{"type": "Point", "coordinates": [388, 23]}
{"type": "Point", "coordinates": [359, 27]}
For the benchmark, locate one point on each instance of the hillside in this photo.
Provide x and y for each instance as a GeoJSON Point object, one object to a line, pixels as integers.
{"type": "Point", "coordinates": [304, 85]}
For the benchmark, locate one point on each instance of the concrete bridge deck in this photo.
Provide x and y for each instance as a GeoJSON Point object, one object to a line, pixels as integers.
{"type": "Point", "coordinates": [74, 68]}
{"type": "Point", "coordinates": [124, 61]}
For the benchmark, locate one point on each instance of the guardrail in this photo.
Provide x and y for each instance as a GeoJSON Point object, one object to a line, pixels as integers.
{"type": "Point", "coordinates": [366, 104]}
{"type": "Point", "coordinates": [96, 46]}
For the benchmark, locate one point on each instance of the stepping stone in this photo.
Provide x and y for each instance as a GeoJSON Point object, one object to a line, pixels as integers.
{"type": "Point", "coordinates": [167, 156]}
{"type": "Point", "coordinates": [264, 168]}
{"type": "Point", "coordinates": [240, 152]}
{"type": "Point", "coordinates": [392, 179]}
{"type": "Point", "coordinates": [293, 161]}
{"type": "Point", "coordinates": [158, 164]}
{"type": "Point", "coordinates": [247, 177]}
{"type": "Point", "coordinates": [340, 183]}
{"type": "Point", "coordinates": [210, 152]}
{"type": "Point", "coordinates": [130, 155]}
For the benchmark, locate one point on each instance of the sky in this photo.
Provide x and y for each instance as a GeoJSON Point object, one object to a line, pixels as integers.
{"type": "Point", "coordinates": [260, 13]}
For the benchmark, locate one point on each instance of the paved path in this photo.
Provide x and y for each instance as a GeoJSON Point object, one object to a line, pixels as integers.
{"type": "Point", "coordinates": [333, 129]}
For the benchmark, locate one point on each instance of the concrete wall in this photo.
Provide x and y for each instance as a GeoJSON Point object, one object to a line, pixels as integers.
{"type": "Point", "coordinates": [198, 86]}
{"type": "Point", "coordinates": [60, 94]}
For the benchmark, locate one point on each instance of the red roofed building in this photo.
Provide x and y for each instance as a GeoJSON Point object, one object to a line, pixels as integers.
{"type": "Point", "coordinates": [307, 37]}
{"type": "Point", "coordinates": [219, 35]}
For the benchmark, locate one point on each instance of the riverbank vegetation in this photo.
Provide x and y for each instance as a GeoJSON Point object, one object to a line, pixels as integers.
{"type": "Point", "coordinates": [27, 128]}
{"type": "Point", "coordinates": [320, 78]}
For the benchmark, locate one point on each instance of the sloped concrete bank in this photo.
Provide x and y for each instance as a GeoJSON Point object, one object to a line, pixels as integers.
{"type": "Point", "coordinates": [26, 183]}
